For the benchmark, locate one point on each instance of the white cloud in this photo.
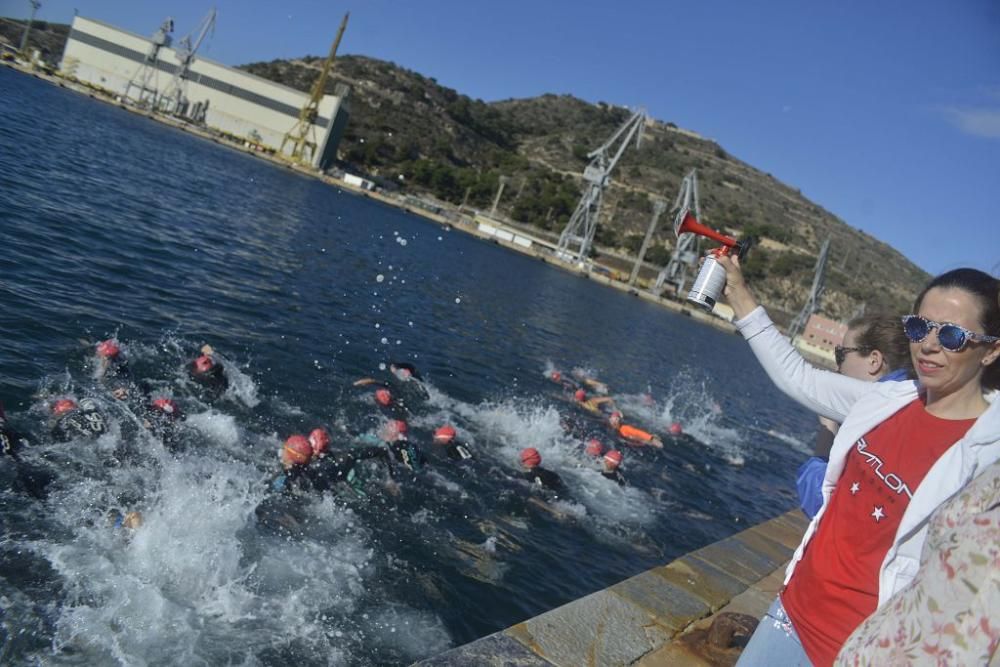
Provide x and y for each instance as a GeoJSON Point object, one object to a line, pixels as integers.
{"type": "Point", "coordinates": [977, 122]}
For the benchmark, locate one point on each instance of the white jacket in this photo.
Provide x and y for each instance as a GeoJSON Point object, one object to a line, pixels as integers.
{"type": "Point", "coordinates": [860, 406]}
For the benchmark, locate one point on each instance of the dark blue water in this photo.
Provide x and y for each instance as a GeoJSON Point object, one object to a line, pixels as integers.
{"type": "Point", "coordinates": [115, 225]}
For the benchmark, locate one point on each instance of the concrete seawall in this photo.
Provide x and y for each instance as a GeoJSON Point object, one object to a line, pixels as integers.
{"type": "Point", "coordinates": [659, 617]}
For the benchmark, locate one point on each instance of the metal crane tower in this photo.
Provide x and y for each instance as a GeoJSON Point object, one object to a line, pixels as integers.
{"type": "Point", "coordinates": [299, 134]}
{"type": "Point", "coordinates": [812, 303]}
{"type": "Point", "coordinates": [686, 251]}
{"type": "Point", "coordinates": [174, 100]}
{"type": "Point", "coordinates": [659, 206]}
{"type": "Point", "coordinates": [583, 223]}
{"type": "Point", "coordinates": [145, 78]}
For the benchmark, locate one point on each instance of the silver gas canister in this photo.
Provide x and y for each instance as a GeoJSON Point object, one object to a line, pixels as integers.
{"type": "Point", "coordinates": [708, 285]}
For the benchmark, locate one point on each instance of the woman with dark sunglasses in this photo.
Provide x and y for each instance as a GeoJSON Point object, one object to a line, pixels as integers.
{"type": "Point", "coordinates": [903, 449]}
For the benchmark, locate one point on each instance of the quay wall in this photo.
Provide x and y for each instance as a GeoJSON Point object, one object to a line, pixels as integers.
{"type": "Point", "coordinates": [651, 618]}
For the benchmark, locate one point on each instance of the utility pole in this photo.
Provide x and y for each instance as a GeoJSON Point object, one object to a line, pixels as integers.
{"type": "Point", "coordinates": [496, 200]}
{"type": "Point", "coordinates": [659, 206]}
{"type": "Point", "coordinates": [35, 4]}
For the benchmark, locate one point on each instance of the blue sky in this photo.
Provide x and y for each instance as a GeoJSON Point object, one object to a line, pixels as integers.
{"type": "Point", "coordinates": [885, 113]}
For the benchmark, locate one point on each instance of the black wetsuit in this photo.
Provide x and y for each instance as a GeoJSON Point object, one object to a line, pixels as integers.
{"type": "Point", "coordinates": [614, 476]}
{"type": "Point", "coordinates": [164, 426]}
{"type": "Point", "coordinates": [327, 472]}
{"type": "Point", "coordinates": [458, 451]}
{"type": "Point", "coordinates": [293, 481]}
{"type": "Point", "coordinates": [407, 453]}
{"type": "Point", "coordinates": [213, 381]}
{"type": "Point", "coordinates": [10, 441]}
{"type": "Point", "coordinates": [545, 478]}
{"type": "Point", "coordinates": [82, 422]}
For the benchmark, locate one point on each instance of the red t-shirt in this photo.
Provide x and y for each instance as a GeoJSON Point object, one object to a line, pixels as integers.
{"type": "Point", "coordinates": [835, 585]}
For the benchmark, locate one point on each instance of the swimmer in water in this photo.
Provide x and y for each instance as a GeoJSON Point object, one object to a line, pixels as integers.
{"type": "Point", "coordinates": [110, 361]}
{"type": "Point", "coordinates": [296, 453]}
{"type": "Point", "coordinates": [10, 440]}
{"type": "Point", "coordinates": [612, 460]}
{"type": "Point", "coordinates": [568, 384]}
{"type": "Point", "coordinates": [404, 381]}
{"type": "Point", "coordinates": [390, 405]}
{"type": "Point", "coordinates": [597, 405]}
{"type": "Point", "coordinates": [162, 417]}
{"type": "Point", "coordinates": [394, 435]}
{"type": "Point", "coordinates": [632, 435]}
{"type": "Point", "coordinates": [209, 373]}
{"type": "Point", "coordinates": [532, 470]}
{"type": "Point", "coordinates": [76, 420]}
{"type": "Point", "coordinates": [456, 451]}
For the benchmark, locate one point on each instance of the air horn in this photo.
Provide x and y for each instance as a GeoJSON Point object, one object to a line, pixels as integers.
{"type": "Point", "coordinates": [712, 277]}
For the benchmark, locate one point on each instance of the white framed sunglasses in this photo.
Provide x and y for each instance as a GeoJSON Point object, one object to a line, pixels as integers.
{"type": "Point", "coordinates": [951, 336]}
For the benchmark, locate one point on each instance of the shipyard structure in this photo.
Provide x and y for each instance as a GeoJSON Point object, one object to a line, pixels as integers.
{"type": "Point", "coordinates": [152, 74]}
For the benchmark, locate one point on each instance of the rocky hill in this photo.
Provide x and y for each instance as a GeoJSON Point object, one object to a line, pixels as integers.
{"type": "Point", "coordinates": [413, 133]}
{"type": "Point", "coordinates": [410, 130]}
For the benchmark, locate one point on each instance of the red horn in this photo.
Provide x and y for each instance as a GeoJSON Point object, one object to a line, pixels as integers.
{"type": "Point", "coordinates": [690, 224]}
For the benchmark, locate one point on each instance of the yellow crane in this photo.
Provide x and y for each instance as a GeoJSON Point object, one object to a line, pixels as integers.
{"type": "Point", "coordinates": [299, 134]}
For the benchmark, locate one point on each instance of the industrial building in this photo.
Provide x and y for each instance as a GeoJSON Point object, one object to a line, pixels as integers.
{"type": "Point", "coordinates": [145, 71]}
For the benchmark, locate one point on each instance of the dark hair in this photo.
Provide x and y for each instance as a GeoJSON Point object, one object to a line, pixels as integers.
{"type": "Point", "coordinates": [884, 333]}
{"type": "Point", "coordinates": [986, 290]}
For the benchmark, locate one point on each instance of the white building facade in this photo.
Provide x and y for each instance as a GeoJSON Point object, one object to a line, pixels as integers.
{"type": "Point", "coordinates": [221, 97]}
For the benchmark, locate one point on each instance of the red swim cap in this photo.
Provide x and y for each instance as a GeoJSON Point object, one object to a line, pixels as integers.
{"type": "Point", "coordinates": [580, 395]}
{"type": "Point", "coordinates": [675, 429]}
{"type": "Point", "coordinates": [399, 426]}
{"type": "Point", "coordinates": [556, 376]}
{"type": "Point", "coordinates": [320, 440]}
{"type": "Point", "coordinates": [613, 458]}
{"type": "Point", "coordinates": [383, 397]}
{"type": "Point", "coordinates": [594, 447]}
{"type": "Point", "coordinates": [203, 364]}
{"type": "Point", "coordinates": [297, 450]}
{"type": "Point", "coordinates": [167, 406]}
{"type": "Point", "coordinates": [530, 457]}
{"type": "Point", "coordinates": [62, 406]}
{"type": "Point", "coordinates": [108, 349]}
{"type": "Point", "coordinates": [444, 434]}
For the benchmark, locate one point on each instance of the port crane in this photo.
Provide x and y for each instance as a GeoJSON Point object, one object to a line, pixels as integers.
{"type": "Point", "coordinates": [582, 225]}
{"type": "Point", "coordinates": [686, 251]}
{"type": "Point", "coordinates": [815, 293]}
{"type": "Point", "coordinates": [145, 78]}
{"type": "Point", "coordinates": [174, 100]}
{"type": "Point", "coordinates": [302, 136]}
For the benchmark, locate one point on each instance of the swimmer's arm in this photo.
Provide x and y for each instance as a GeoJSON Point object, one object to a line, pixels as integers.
{"type": "Point", "coordinates": [364, 382]}
{"type": "Point", "coordinates": [207, 350]}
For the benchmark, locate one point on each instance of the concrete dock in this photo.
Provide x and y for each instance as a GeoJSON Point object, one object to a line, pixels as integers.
{"type": "Point", "coordinates": [659, 617]}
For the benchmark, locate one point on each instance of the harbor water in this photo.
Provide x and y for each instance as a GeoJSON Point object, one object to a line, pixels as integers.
{"type": "Point", "coordinates": [113, 225]}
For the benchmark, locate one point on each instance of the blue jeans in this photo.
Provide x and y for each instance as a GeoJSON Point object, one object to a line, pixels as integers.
{"type": "Point", "coordinates": [774, 642]}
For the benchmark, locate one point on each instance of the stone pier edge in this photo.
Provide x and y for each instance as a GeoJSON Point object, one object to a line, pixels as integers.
{"type": "Point", "coordinates": [635, 621]}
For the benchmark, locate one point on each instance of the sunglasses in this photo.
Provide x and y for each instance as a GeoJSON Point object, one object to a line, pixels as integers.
{"type": "Point", "coordinates": [951, 336]}
{"type": "Point", "coordinates": [840, 353]}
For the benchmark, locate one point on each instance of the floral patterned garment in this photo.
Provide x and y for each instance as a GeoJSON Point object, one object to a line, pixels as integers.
{"type": "Point", "coordinates": [950, 613]}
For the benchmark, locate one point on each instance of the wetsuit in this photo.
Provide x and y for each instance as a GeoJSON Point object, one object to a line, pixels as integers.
{"type": "Point", "coordinates": [164, 426]}
{"type": "Point", "coordinates": [545, 478]}
{"type": "Point", "coordinates": [82, 422]}
{"type": "Point", "coordinates": [214, 381]}
{"type": "Point", "coordinates": [294, 481]}
{"type": "Point", "coordinates": [341, 467]}
{"type": "Point", "coordinates": [615, 476]}
{"type": "Point", "coordinates": [405, 452]}
{"type": "Point", "coordinates": [458, 451]}
{"type": "Point", "coordinates": [10, 441]}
